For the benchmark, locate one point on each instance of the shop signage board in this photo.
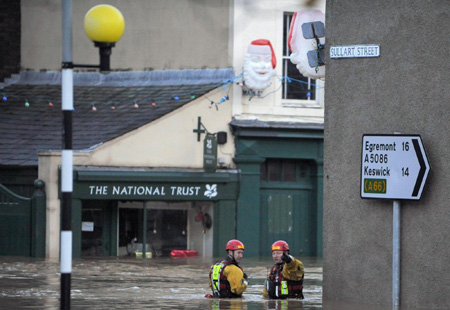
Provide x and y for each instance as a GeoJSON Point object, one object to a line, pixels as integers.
{"type": "Point", "coordinates": [153, 191]}
{"type": "Point", "coordinates": [154, 185]}
{"type": "Point", "coordinates": [393, 167]}
{"type": "Point", "coordinates": [210, 153]}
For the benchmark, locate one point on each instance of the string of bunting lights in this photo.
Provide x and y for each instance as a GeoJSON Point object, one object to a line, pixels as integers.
{"type": "Point", "coordinates": [226, 85]}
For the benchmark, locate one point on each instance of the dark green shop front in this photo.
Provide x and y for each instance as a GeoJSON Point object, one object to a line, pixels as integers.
{"type": "Point", "coordinates": [281, 186]}
{"type": "Point", "coordinates": [114, 210]}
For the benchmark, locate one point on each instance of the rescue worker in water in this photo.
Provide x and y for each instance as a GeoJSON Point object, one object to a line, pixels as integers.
{"type": "Point", "coordinates": [226, 278]}
{"type": "Point", "coordinates": [285, 279]}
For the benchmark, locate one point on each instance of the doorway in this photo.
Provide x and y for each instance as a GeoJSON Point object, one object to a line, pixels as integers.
{"type": "Point", "coordinates": [286, 215]}
{"type": "Point", "coordinates": [97, 233]}
{"type": "Point", "coordinates": [288, 210]}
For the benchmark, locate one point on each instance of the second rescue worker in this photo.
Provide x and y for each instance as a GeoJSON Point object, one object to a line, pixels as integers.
{"type": "Point", "coordinates": [226, 278]}
{"type": "Point", "coordinates": [285, 279]}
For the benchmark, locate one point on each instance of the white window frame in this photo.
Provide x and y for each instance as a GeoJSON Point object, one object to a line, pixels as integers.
{"type": "Point", "coordinates": [317, 102]}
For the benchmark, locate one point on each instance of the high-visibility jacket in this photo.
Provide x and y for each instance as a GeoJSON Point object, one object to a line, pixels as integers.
{"type": "Point", "coordinates": [226, 279]}
{"type": "Point", "coordinates": [285, 280]}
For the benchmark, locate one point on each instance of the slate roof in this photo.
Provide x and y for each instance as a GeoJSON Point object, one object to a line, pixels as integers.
{"type": "Point", "coordinates": [25, 131]}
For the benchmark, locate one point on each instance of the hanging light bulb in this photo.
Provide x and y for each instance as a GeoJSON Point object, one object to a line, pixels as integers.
{"type": "Point", "coordinates": [4, 98]}
{"type": "Point", "coordinates": [27, 104]}
{"type": "Point", "coordinates": [50, 104]}
{"type": "Point", "coordinates": [176, 98]}
{"type": "Point", "coordinates": [94, 108]}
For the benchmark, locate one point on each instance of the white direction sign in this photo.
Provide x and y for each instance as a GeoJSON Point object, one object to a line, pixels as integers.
{"type": "Point", "coordinates": [393, 167]}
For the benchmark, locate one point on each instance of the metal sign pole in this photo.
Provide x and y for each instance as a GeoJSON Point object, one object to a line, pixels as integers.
{"type": "Point", "coordinates": [396, 225]}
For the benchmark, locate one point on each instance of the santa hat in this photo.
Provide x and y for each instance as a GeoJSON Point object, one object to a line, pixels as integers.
{"type": "Point", "coordinates": [292, 35]}
{"type": "Point", "coordinates": [262, 46]}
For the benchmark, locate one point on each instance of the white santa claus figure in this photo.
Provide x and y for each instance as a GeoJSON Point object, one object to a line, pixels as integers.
{"type": "Point", "coordinates": [300, 43]}
{"type": "Point", "coordinates": [259, 65]}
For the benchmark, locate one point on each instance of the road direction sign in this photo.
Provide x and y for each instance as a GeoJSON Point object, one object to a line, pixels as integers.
{"type": "Point", "coordinates": [393, 167]}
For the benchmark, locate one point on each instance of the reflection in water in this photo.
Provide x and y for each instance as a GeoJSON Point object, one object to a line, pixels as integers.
{"type": "Point", "coordinates": [132, 283]}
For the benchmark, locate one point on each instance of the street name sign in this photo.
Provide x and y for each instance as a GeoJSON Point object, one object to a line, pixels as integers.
{"type": "Point", "coordinates": [393, 167]}
{"type": "Point", "coordinates": [355, 51]}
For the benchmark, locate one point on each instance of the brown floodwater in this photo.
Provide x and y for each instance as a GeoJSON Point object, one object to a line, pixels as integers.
{"type": "Point", "coordinates": [134, 283]}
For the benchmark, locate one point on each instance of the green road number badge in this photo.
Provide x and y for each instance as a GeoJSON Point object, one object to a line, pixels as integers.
{"type": "Point", "coordinates": [375, 186]}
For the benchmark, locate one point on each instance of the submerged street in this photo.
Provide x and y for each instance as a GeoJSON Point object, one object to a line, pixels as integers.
{"type": "Point", "coordinates": [133, 283]}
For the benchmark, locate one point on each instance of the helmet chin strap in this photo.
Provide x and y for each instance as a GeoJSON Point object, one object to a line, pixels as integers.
{"type": "Point", "coordinates": [232, 257]}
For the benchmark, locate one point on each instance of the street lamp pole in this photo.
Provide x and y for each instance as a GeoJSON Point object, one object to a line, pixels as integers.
{"type": "Point", "coordinates": [104, 25]}
{"type": "Point", "coordinates": [67, 154]}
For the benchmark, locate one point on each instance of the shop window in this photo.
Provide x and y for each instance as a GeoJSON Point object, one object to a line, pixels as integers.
{"type": "Point", "coordinates": [284, 170]}
{"type": "Point", "coordinates": [302, 90]}
{"type": "Point", "coordinates": [274, 170]}
{"type": "Point", "coordinates": [166, 230]}
{"type": "Point", "coordinates": [288, 170]}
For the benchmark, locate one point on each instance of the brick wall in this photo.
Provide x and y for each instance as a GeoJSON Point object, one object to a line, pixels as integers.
{"type": "Point", "coordinates": [9, 38]}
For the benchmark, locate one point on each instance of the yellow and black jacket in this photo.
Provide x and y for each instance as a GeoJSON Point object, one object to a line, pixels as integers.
{"type": "Point", "coordinates": [285, 280]}
{"type": "Point", "coordinates": [226, 279]}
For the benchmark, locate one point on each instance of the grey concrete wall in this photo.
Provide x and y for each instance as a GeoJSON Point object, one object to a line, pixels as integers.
{"type": "Point", "coordinates": [159, 34]}
{"type": "Point", "coordinates": [404, 90]}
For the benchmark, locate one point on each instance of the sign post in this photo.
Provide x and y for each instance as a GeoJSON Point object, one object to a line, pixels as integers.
{"type": "Point", "coordinates": [393, 167]}
{"type": "Point", "coordinates": [396, 208]}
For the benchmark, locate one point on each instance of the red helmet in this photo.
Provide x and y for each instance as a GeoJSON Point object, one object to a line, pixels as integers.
{"type": "Point", "coordinates": [280, 245]}
{"type": "Point", "coordinates": [234, 245]}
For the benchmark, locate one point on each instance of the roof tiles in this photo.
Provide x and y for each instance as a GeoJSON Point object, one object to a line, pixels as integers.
{"type": "Point", "coordinates": [25, 131]}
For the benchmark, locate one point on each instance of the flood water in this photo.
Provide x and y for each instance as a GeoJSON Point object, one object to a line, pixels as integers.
{"type": "Point", "coordinates": [136, 283]}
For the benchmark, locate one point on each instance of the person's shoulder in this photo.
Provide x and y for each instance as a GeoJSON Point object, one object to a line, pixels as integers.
{"type": "Point", "coordinates": [298, 261]}
{"type": "Point", "coordinates": [231, 266]}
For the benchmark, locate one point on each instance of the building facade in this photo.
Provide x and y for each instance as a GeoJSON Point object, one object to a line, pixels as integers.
{"type": "Point", "coordinates": [154, 181]}
{"type": "Point", "coordinates": [400, 91]}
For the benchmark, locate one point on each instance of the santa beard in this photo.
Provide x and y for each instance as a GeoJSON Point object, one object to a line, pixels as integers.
{"type": "Point", "coordinates": [254, 80]}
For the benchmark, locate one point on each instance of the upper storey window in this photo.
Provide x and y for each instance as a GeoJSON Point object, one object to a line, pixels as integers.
{"type": "Point", "coordinates": [301, 91]}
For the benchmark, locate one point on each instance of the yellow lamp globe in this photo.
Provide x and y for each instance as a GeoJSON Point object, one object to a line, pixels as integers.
{"type": "Point", "coordinates": [104, 23]}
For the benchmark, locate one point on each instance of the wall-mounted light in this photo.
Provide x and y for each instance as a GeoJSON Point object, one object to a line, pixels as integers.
{"type": "Point", "coordinates": [221, 137]}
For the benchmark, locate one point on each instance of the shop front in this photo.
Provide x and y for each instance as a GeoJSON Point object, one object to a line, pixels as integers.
{"type": "Point", "coordinates": [281, 167]}
{"type": "Point", "coordinates": [151, 213]}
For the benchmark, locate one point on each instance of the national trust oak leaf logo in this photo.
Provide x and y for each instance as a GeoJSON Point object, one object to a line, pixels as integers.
{"type": "Point", "coordinates": [211, 190]}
